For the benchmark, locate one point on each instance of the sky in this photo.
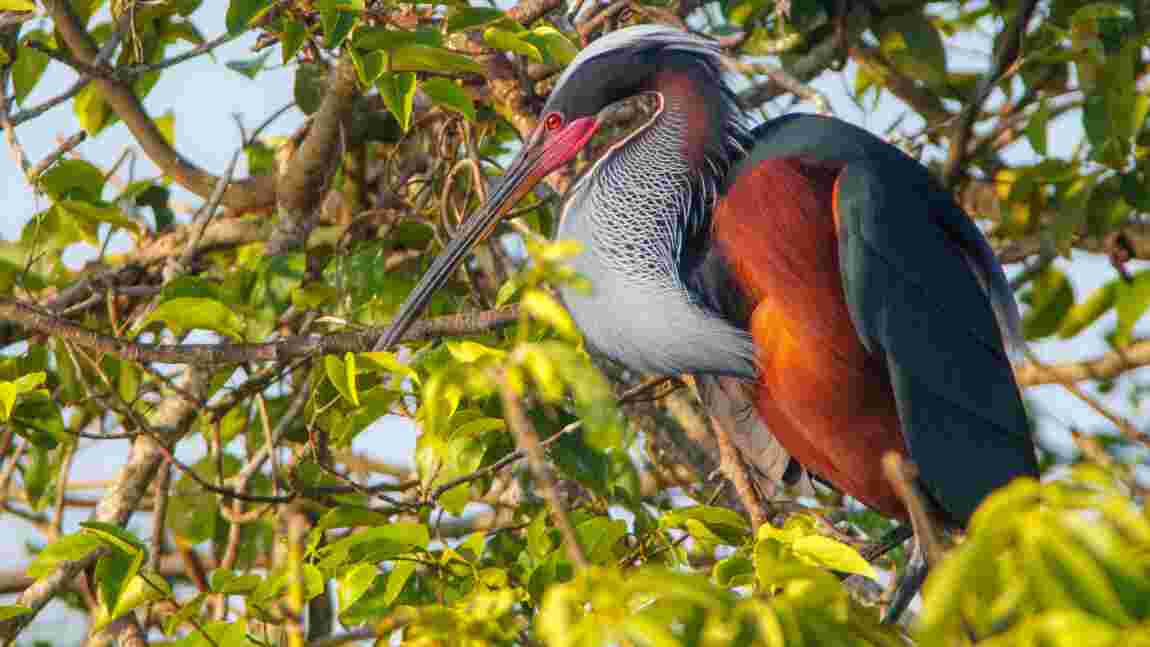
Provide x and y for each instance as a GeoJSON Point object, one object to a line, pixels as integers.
{"type": "Point", "coordinates": [205, 95]}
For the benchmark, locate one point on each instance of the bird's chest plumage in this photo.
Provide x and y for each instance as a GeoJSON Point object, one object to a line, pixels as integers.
{"type": "Point", "coordinates": [631, 212]}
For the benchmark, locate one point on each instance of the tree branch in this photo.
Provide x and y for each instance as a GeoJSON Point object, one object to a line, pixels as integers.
{"type": "Point", "coordinates": [33, 318]}
{"type": "Point", "coordinates": [1005, 55]}
{"type": "Point", "coordinates": [301, 188]}
{"type": "Point", "coordinates": [119, 502]}
{"type": "Point", "coordinates": [528, 441]}
{"type": "Point", "coordinates": [253, 193]}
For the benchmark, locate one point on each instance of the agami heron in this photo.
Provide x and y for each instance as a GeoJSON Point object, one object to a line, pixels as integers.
{"type": "Point", "coordinates": [806, 258]}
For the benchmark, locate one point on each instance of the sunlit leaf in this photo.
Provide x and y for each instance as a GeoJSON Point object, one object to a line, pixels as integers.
{"type": "Point", "coordinates": [190, 313]}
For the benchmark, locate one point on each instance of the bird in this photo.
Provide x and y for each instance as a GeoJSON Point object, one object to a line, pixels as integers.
{"type": "Point", "coordinates": [830, 299]}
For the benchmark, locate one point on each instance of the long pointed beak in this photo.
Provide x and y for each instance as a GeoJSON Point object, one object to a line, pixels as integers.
{"type": "Point", "coordinates": [534, 162]}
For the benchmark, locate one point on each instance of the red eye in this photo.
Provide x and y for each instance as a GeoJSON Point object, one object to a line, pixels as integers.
{"type": "Point", "coordinates": [553, 121]}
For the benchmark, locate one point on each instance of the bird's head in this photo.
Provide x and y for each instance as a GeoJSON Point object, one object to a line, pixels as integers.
{"type": "Point", "coordinates": [617, 66]}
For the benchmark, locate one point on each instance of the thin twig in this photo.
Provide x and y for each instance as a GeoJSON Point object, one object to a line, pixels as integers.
{"type": "Point", "coordinates": [1005, 55]}
{"type": "Point", "coordinates": [528, 441]}
{"type": "Point", "coordinates": [471, 323]}
{"type": "Point", "coordinates": [1126, 427]}
{"type": "Point", "coordinates": [63, 149]}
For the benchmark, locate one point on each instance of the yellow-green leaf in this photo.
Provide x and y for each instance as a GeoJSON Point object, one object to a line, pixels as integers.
{"type": "Point", "coordinates": [469, 351]}
{"type": "Point", "coordinates": [355, 583]}
{"type": "Point", "coordinates": [424, 58]}
{"type": "Point", "coordinates": [388, 363]}
{"type": "Point", "coordinates": [545, 308]}
{"type": "Point", "coordinates": [509, 41]}
{"type": "Point", "coordinates": [8, 611]}
{"type": "Point", "coordinates": [17, 5]}
{"type": "Point", "coordinates": [341, 374]}
{"type": "Point", "coordinates": [835, 555]}
{"type": "Point", "coordinates": [188, 313]}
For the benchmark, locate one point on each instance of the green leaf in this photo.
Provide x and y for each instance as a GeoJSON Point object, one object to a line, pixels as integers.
{"type": "Point", "coordinates": [113, 536]}
{"type": "Point", "coordinates": [396, 580]}
{"type": "Point", "coordinates": [388, 363]}
{"type": "Point", "coordinates": [912, 42]}
{"type": "Point", "coordinates": [8, 611]}
{"type": "Point", "coordinates": [447, 94]}
{"type": "Point", "coordinates": [381, 38]}
{"type": "Point", "coordinates": [1088, 311]}
{"type": "Point", "coordinates": [835, 555]}
{"type": "Point", "coordinates": [98, 213]}
{"type": "Point", "coordinates": [1037, 127]}
{"type": "Point", "coordinates": [479, 426]}
{"type": "Point", "coordinates": [292, 39]}
{"type": "Point", "coordinates": [545, 308]}
{"type": "Point", "coordinates": [422, 58]}
{"type": "Point", "coordinates": [241, 12]}
{"type": "Point", "coordinates": [555, 47]}
{"type": "Point", "coordinates": [369, 66]}
{"type": "Point", "coordinates": [337, 19]}
{"type": "Point", "coordinates": [355, 583]}
{"type": "Point", "coordinates": [510, 41]}
{"type": "Point", "coordinates": [227, 581]}
{"type": "Point", "coordinates": [1050, 298]}
{"type": "Point", "coordinates": [92, 109]}
{"type": "Point", "coordinates": [76, 179]}
{"type": "Point", "coordinates": [464, 17]}
{"type": "Point", "coordinates": [341, 374]}
{"type": "Point", "coordinates": [1131, 302]}
{"type": "Point", "coordinates": [10, 390]}
{"type": "Point", "coordinates": [470, 351]}
{"type": "Point", "coordinates": [733, 571]}
{"type": "Point", "coordinates": [249, 67]}
{"type": "Point", "coordinates": [398, 92]}
{"type": "Point", "coordinates": [725, 526]}
{"type": "Point", "coordinates": [17, 5]}
{"type": "Point", "coordinates": [69, 548]}
{"type": "Point", "coordinates": [29, 66]}
{"type": "Point", "coordinates": [140, 590]}
{"type": "Point", "coordinates": [598, 537]}
{"type": "Point", "coordinates": [309, 87]}
{"type": "Point", "coordinates": [189, 313]}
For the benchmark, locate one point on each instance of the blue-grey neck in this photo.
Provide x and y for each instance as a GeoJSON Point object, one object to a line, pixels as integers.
{"type": "Point", "coordinates": [642, 211]}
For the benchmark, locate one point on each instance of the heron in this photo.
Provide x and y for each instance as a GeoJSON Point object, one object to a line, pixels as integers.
{"type": "Point", "coordinates": [817, 283]}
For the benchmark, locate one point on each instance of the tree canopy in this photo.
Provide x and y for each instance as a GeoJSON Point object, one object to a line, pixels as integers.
{"type": "Point", "coordinates": [221, 323]}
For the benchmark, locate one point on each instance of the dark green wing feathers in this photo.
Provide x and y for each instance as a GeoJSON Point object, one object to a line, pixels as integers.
{"type": "Point", "coordinates": [926, 294]}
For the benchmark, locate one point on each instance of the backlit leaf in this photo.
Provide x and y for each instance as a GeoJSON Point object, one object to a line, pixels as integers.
{"type": "Point", "coordinates": [67, 549]}
{"type": "Point", "coordinates": [29, 66]}
{"type": "Point", "coordinates": [1131, 301]}
{"type": "Point", "coordinates": [355, 583]}
{"type": "Point", "coordinates": [197, 313]}
{"type": "Point", "coordinates": [828, 553]}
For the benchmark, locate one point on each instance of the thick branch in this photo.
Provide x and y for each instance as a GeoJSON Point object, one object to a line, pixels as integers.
{"type": "Point", "coordinates": [1103, 367]}
{"type": "Point", "coordinates": [255, 192]}
{"type": "Point", "coordinates": [302, 185]}
{"type": "Point", "coordinates": [211, 354]}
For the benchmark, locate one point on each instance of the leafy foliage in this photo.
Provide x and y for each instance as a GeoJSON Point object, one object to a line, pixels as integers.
{"type": "Point", "coordinates": [271, 520]}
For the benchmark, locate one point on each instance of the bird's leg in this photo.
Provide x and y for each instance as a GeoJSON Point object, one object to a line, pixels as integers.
{"type": "Point", "coordinates": [928, 546]}
{"type": "Point", "coordinates": [908, 585]}
{"type": "Point", "coordinates": [738, 473]}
